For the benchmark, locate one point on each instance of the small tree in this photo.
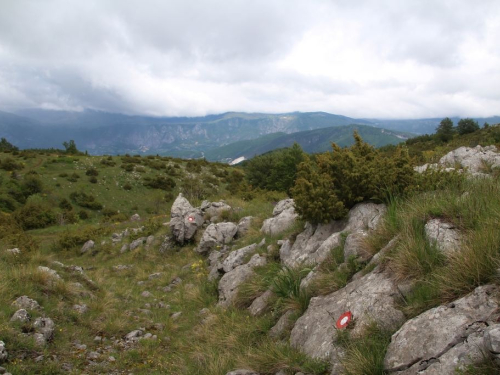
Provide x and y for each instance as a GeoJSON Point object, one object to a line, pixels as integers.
{"type": "Point", "coordinates": [467, 125]}
{"type": "Point", "coordinates": [71, 147]}
{"type": "Point", "coordinates": [6, 146]}
{"type": "Point", "coordinates": [445, 130]}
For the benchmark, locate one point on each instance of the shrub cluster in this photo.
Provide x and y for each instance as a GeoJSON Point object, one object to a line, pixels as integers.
{"type": "Point", "coordinates": [327, 187]}
{"type": "Point", "coordinates": [85, 200]}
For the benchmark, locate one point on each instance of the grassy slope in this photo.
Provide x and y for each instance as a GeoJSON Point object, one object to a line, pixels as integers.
{"type": "Point", "coordinates": [224, 339]}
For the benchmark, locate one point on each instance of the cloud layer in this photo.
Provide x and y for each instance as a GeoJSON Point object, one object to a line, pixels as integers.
{"type": "Point", "coordinates": [417, 58]}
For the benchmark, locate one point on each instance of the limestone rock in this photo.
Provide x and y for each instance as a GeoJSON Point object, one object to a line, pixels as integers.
{"type": "Point", "coordinates": [49, 271]}
{"type": "Point", "coordinates": [135, 244]}
{"type": "Point", "coordinates": [185, 220]}
{"type": "Point", "coordinates": [472, 158]}
{"type": "Point", "coordinates": [244, 225]}
{"type": "Point", "coordinates": [260, 305]}
{"type": "Point", "coordinates": [216, 235]}
{"type": "Point", "coordinates": [283, 217]}
{"type": "Point", "coordinates": [214, 208]}
{"type": "Point", "coordinates": [24, 302]}
{"type": "Point", "coordinates": [312, 245]}
{"type": "Point", "coordinates": [20, 315]}
{"type": "Point", "coordinates": [365, 215]}
{"type": "Point", "coordinates": [134, 335]}
{"type": "Point", "coordinates": [81, 309]}
{"type": "Point", "coordinates": [353, 246]}
{"type": "Point", "coordinates": [166, 245]}
{"type": "Point", "coordinates": [135, 217]}
{"type": "Point", "coordinates": [369, 299]}
{"type": "Point", "coordinates": [229, 283]}
{"type": "Point", "coordinates": [492, 339]}
{"type": "Point", "coordinates": [444, 235]}
{"type": "Point", "coordinates": [14, 251]}
{"type": "Point", "coordinates": [3, 352]}
{"type": "Point", "coordinates": [236, 258]}
{"type": "Point", "coordinates": [441, 329]}
{"type": "Point", "coordinates": [45, 327]}
{"type": "Point", "coordinates": [242, 372]}
{"type": "Point", "coordinates": [284, 324]}
{"type": "Point", "coordinates": [89, 245]}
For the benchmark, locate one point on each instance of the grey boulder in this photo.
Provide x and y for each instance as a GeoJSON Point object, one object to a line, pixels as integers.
{"type": "Point", "coordinates": [371, 298]}
{"type": "Point", "coordinates": [283, 218]}
{"type": "Point", "coordinates": [229, 283]}
{"type": "Point", "coordinates": [447, 331]}
{"type": "Point", "coordinates": [237, 257]}
{"type": "Point", "coordinates": [216, 235]}
{"type": "Point", "coordinates": [185, 220]}
{"type": "Point", "coordinates": [87, 246]}
{"type": "Point", "coordinates": [444, 235]}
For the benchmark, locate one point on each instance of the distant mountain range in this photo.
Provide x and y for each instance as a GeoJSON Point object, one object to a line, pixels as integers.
{"type": "Point", "coordinates": [311, 141]}
{"type": "Point", "coordinates": [111, 133]}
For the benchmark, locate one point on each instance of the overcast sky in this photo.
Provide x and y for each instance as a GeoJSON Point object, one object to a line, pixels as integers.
{"type": "Point", "coordinates": [359, 58]}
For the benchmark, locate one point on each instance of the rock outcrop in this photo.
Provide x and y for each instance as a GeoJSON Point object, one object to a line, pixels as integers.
{"type": "Point", "coordinates": [474, 160]}
{"type": "Point", "coordinates": [370, 299]}
{"type": "Point", "coordinates": [216, 235]}
{"type": "Point", "coordinates": [442, 338]}
{"type": "Point", "coordinates": [214, 209]}
{"type": "Point", "coordinates": [229, 283]}
{"type": "Point", "coordinates": [283, 218]}
{"type": "Point", "coordinates": [444, 235]}
{"type": "Point", "coordinates": [313, 245]}
{"type": "Point", "coordinates": [185, 220]}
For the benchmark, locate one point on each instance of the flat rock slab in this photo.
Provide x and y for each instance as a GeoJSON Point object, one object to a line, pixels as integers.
{"type": "Point", "coordinates": [429, 337]}
{"type": "Point", "coordinates": [237, 257]}
{"type": "Point", "coordinates": [369, 299]}
{"type": "Point", "coordinates": [229, 283]}
{"type": "Point", "coordinates": [446, 237]}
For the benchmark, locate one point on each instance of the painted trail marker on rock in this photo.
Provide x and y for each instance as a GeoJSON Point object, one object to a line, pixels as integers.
{"type": "Point", "coordinates": [344, 320]}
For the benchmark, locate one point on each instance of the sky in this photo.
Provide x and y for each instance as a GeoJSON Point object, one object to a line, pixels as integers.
{"type": "Point", "coordinates": [358, 58]}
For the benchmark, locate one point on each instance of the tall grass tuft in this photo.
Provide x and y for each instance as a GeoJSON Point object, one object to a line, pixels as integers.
{"type": "Point", "coordinates": [365, 355]}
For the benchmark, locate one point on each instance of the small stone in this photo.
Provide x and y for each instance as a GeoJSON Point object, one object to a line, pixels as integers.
{"type": "Point", "coordinates": [135, 217]}
{"type": "Point", "coordinates": [20, 315]}
{"type": "Point", "coordinates": [146, 294]}
{"type": "Point", "coordinates": [134, 334]}
{"type": "Point", "coordinates": [92, 356]}
{"type": "Point", "coordinates": [81, 309]}
{"type": "Point", "coordinates": [3, 352]}
{"type": "Point", "coordinates": [39, 358]}
{"type": "Point", "coordinates": [124, 248]}
{"type": "Point", "coordinates": [14, 251]}
{"type": "Point", "coordinates": [45, 326]}
{"type": "Point", "coordinates": [98, 339]}
{"type": "Point", "coordinates": [154, 276]}
{"type": "Point", "coordinates": [176, 315]}
{"type": "Point", "coordinates": [111, 358]}
{"type": "Point", "coordinates": [87, 246]}
{"type": "Point", "coordinates": [50, 272]}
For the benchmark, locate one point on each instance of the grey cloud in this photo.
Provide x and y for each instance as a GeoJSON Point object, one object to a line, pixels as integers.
{"type": "Point", "coordinates": [195, 57]}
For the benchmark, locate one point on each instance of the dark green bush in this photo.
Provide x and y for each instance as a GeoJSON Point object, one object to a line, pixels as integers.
{"type": "Point", "coordinates": [93, 180]}
{"type": "Point", "coordinates": [9, 164]}
{"type": "Point", "coordinates": [85, 200]}
{"type": "Point", "coordinates": [31, 185]}
{"type": "Point", "coordinates": [65, 205]}
{"type": "Point", "coordinates": [161, 182]}
{"type": "Point", "coordinates": [128, 167]}
{"type": "Point", "coordinates": [34, 215]}
{"type": "Point", "coordinates": [92, 172]}
{"type": "Point", "coordinates": [328, 187]}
